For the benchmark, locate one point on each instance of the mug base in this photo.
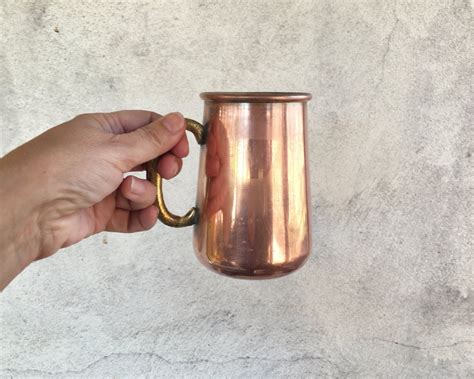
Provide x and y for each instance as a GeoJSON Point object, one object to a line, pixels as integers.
{"type": "Point", "coordinates": [254, 274]}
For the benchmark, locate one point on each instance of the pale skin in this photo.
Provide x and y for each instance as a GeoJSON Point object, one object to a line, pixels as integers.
{"type": "Point", "coordinates": [68, 183]}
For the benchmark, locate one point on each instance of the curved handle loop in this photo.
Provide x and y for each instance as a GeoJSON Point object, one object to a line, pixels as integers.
{"type": "Point", "coordinates": [164, 215]}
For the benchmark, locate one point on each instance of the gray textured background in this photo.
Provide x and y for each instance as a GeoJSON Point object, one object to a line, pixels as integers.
{"type": "Point", "coordinates": [388, 291]}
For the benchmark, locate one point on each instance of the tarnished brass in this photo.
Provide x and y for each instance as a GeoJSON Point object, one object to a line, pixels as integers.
{"type": "Point", "coordinates": [164, 215]}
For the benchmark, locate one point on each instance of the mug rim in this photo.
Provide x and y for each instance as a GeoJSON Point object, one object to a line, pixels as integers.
{"type": "Point", "coordinates": [256, 97]}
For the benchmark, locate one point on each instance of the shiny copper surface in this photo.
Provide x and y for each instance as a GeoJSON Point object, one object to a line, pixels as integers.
{"type": "Point", "coordinates": [253, 186]}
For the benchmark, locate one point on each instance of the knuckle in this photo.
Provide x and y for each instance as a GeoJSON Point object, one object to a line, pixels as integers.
{"type": "Point", "coordinates": [155, 136]}
{"type": "Point", "coordinates": [97, 119]}
{"type": "Point", "coordinates": [123, 153]}
{"type": "Point", "coordinates": [82, 116]}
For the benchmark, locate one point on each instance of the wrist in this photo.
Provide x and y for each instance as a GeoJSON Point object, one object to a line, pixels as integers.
{"type": "Point", "coordinates": [18, 249]}
{"type": "Point", "coordinates": [20, 237]}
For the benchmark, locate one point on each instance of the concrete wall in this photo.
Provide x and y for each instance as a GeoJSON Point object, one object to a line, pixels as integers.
{"type": "Point", "coordinates": [388, 290]}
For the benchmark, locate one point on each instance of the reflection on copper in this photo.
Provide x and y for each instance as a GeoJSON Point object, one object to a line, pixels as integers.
{"type": "Point", "coordinates": [253, 192]}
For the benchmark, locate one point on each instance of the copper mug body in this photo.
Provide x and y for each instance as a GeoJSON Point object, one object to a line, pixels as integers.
{"type": "Point", "coordinates": [252, 216]}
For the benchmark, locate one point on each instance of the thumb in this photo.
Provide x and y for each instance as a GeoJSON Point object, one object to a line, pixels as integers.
{"type": "Point", "coordinates": [152, 140]}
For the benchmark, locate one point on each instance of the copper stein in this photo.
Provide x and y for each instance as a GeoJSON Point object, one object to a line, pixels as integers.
{"type": "Point", "coordinates": [252, 216]}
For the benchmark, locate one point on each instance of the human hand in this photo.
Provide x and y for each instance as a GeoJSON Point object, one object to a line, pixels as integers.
{"type": "Point", "coordinates": [68, 183]}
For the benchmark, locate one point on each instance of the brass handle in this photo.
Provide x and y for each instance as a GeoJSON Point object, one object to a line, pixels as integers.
{"type": "Point", "coordinates": [165, 216]}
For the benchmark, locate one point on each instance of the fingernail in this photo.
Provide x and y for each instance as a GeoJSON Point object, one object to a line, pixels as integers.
{"type": "Point", "coordinates": [174, 122]}
{"type": "Point", "coordinates": [137, 187]}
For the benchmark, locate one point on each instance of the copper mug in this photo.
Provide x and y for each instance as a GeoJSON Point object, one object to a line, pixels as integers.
{"type": "Point", "coordinates": [252, 215]}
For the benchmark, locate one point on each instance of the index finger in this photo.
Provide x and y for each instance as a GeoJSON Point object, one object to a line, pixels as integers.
{"type": "Point", "coordinates": [128, 120]}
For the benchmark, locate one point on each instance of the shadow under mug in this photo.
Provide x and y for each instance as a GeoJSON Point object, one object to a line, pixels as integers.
{"type": "Point", "coordinates": [253, 210]}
